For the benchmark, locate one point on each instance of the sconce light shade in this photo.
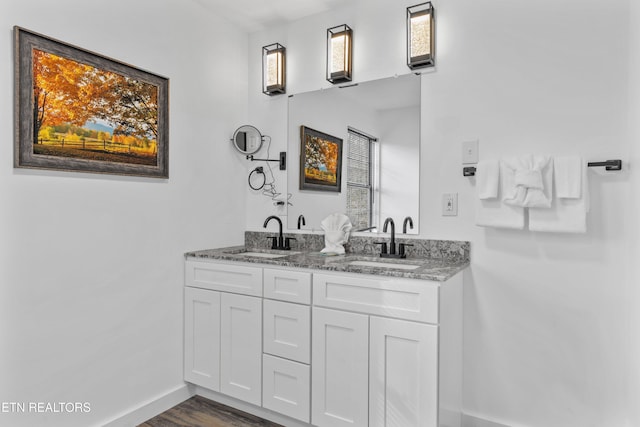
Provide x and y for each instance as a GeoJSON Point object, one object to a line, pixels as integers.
{"type": "Point", "coordinates": [339, 42]}
{"type": "Point", "coordinates": [420, 35]}
{"type": "Point", "coordinates": [273, 69]}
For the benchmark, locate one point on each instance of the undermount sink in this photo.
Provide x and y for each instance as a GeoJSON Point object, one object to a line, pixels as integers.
{"type": "Point", "coordinates": [262, 253]}
{"type": "Point", "coordinates": [379, 264]}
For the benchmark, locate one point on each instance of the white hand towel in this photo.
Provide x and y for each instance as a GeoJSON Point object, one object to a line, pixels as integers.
{"type": "Point", "coordinates": [494, 213]}
{"type": "Point", "coordinates": [487, 179]}
{"type": "Point", "coordinates": [566, 215]}
{"type": "Point", "coordinates": [529, 181]}
{"type": "Point", "coordinates": [491, 212]}
{"type": "Point", "coordinates": [568, 177]}
{"type": "Point", "coordinates": [337, 227]}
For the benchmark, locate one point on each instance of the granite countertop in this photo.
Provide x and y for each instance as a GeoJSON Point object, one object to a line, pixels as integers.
{"type": "Point", "coordinates": [427, 268]}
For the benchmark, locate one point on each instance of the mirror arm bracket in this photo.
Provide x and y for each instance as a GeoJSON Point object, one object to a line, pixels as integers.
{"type": "Point", "coordinates": [282, 160]}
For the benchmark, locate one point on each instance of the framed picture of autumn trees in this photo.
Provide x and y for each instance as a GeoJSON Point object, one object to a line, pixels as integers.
{"type": "Point", "coordinates": [79, 111]}
{"type": "Point", "coordinates": [320, 161]}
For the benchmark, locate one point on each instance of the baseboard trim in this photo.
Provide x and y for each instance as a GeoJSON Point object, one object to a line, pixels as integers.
{"type": "Point", "coordinates": [152, 407]}
{"type": "Point", "coordinates": [473, 421]}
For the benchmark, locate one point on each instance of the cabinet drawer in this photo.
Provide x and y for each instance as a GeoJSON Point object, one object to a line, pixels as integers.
{"type": "Point", "coordinates": [286, 387]}
{"type": "Point", "coordinates": [287, 330]}
{"type": "Point", "coordinates": [390, 296]}
{"type": "Point", "coordinates": [292, 286]}
{"type": "Point", "coordinates": [238, 279]}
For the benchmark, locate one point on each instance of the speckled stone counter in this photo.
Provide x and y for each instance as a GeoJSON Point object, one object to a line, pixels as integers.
{"type": "Point", "coordinates": [436, 260]}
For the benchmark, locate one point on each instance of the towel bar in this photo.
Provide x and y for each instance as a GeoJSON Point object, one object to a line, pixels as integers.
{"type": "Point", "coordinates": [610, 165]}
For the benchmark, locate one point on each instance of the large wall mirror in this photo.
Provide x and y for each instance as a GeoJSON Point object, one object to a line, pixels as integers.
{"type": "Point", "coordinates": [378, 123]}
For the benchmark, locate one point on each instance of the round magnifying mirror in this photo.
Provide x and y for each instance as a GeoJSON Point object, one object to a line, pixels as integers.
{"type": "Point", "coordinates": [247, 139]}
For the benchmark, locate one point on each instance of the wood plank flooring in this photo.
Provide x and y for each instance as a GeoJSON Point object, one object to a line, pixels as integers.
{"type": "Point", "coordinates": [200, 412]}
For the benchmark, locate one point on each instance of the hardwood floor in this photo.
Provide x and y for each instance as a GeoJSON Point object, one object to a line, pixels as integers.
{"type": "Point", "coordinates": [200, 412]}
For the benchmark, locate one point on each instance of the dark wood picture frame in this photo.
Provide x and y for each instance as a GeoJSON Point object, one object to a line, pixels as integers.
{"type": "Point", "coordinates": [320, 161]}
{"type": "Point", "coordinates": [76, 110]}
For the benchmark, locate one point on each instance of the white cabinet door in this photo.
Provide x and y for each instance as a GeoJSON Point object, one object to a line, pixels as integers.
{"type": "Point", "coordinates": [403, 374]}
{"type": "Point", "coordinates": [202, 337]}
{"type": "Point", "coordinates": [287, 330]}
{"type": "Point", "coordinates": [241, 347]}
{"type": "Point", "coordinates": [339, 368]}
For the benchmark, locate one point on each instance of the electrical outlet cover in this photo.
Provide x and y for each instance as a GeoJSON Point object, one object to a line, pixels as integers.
{"type": "Point", "coordinates": [450, 204]}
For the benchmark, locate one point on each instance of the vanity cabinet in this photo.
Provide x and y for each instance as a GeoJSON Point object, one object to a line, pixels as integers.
{"type": "Point", "coordinates": [223, 330]}
{"type": "Point", "coordinates": [378, 358]}
{"type": "Point", "coordinates": [324, 348]}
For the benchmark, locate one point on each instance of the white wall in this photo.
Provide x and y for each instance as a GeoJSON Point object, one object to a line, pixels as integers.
{"type": "Point", "coordinates": [633, 291]}
{"type": "Point", "coordinates": [548, 317]}
{"type": "Point", "coordinates": [545, 329]}
{"type": "Point", "coordinates": [91, 267]}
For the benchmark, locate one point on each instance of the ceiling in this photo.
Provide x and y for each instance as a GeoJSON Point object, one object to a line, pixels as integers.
{"type": "Point", "coordinates": [255, 15]}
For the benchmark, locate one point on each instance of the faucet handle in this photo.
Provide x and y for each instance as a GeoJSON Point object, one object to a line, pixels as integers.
{"type": "Point", "coordinates": [401, 247]}
{"type": "Point", "coordinates": [274, 242]}
{"type": "Point", "coordinates": [287, 243]}
{"type": "Point", "coordinates": [383, 245]}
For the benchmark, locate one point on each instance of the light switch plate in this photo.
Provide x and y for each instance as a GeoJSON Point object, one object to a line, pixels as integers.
{"type": "Point", "coordinates": [450, 204]}
{"type": "Point", "coordinates": [470, 152]}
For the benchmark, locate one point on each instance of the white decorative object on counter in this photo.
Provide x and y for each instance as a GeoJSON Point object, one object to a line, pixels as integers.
{"type": "Point", "coordinates": [336, 228]}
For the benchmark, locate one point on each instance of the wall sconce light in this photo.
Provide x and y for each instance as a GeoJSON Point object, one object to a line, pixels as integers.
{"type": "Point", "coordinates": [420, 35]}
{"type": "Point", "coordinates": [273, 69]}
{"type": "Point", "coordinates": [339, 42]}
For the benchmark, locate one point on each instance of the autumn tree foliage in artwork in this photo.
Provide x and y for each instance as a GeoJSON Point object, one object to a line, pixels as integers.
{"type": "Point", "coordinates": [69, 92]}
{"type": "Point", "coordinates": [321, 159]}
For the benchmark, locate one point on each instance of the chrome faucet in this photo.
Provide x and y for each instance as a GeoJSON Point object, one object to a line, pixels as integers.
{"type": "Point", "coordinates": [301, 219]}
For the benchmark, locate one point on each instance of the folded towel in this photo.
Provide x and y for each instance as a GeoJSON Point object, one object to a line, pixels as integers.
{"type": "Point", "coordinates": [568, 177]}
{"type": "Point", "coordinates": [528, 181]}
{"type": "Point", "coordinates": [337, 227]}
{"type": "Point", "coordinates": [487, 179]}
{"type": "Point", "coordinates": [566, 215]}
{"type": "Point", "coordinates": [494, 213]}
{"type": "Point", "coordinates": [491, 212]}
